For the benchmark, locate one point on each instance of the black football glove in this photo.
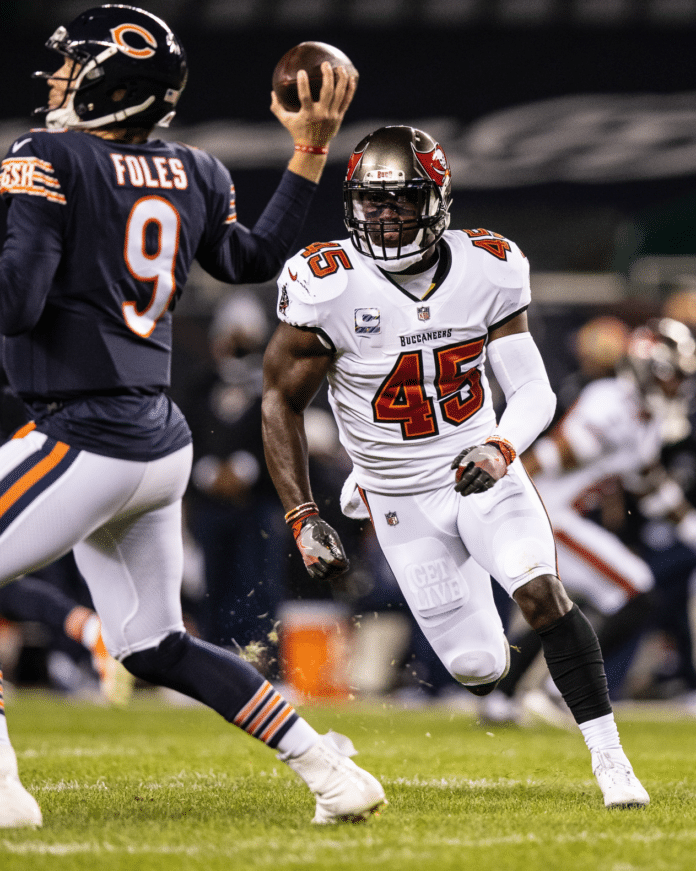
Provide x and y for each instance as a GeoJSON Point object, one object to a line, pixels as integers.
{"type": "Point", "coordinates": [321, 548]}
{"type": "Point", "coordinates": [478, 469]}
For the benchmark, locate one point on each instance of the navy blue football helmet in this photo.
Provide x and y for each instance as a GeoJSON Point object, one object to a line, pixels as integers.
{"type": "Point", "coordinates": [117, 49]}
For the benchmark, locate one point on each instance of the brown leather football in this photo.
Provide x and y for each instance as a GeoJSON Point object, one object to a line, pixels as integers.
{"type": "Point", "coordinates": [307, 56]}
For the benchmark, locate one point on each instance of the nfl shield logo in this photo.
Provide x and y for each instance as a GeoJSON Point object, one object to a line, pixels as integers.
{"type": "Point", "coordinates": [424, 313]}
{"type": "Point", "coordinates": [392, 519]}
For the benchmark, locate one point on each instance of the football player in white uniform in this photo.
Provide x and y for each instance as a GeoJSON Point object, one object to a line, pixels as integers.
{"type": "Point", "coordinates": [400, 318]}
{"type": "Point", "coordinates": [612, 436]}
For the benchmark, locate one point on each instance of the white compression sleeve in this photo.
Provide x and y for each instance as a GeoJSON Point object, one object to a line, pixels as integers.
{"type": "Point", "coordinates": [530, 402]}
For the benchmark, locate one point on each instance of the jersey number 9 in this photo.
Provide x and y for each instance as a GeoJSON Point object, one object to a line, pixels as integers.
{"type": "Point", "coordinates": [155, 266]}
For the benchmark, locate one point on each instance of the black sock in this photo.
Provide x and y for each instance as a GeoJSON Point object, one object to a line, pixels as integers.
{"type": "Point", "coordinates": [35, 600]}
{"type": "Point", "coordinates": [574, 659]}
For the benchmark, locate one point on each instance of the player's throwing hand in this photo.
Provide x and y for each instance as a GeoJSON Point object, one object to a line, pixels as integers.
{"type": "Point", "coordinates": [317, 122]}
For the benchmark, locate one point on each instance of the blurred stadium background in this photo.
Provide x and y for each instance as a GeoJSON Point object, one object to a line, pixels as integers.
{"type": "Point", "coordinates": [570, 126]}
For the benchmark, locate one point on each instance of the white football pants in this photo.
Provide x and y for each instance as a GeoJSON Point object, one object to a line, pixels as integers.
{"type": "Point", "coordinates": [122, 520]}
{"type": "Point", "coordinates": [443, 549]}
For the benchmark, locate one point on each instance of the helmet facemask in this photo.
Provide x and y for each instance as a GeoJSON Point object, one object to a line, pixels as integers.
{"type": "Point", "coordinates": [391, 223]}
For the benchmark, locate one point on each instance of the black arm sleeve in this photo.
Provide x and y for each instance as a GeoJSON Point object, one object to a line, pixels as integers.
{"type": "Point", "coordinates": [256, 255]}
{"type": "Point", "coordinates": [30, 257]}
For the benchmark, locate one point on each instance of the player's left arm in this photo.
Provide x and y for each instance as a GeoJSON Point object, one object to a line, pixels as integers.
{"type": "Point", "coordinates": [530, 403]}
{"type": "Point", "coordinates": [30, 257]}
{"type": "Point", "coordinates": [295, 365]}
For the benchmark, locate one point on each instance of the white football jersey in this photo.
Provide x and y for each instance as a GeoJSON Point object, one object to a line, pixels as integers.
{"type": "Point", "coordinates": [613, 436]}
{"type": "Point", "coordinates": [407, 383]}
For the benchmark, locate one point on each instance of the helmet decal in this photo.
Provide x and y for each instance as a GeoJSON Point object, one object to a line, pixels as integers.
{"type": "Point", "coordinates": [434, 163]}
{"type": "Point", "coordinates": [139, 53]}
{"type": "Point", "coordinates": [355, 159]}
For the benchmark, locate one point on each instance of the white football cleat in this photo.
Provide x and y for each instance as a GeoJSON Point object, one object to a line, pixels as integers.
{"type": "Point", "coordinates": [17, 806]}
{"type": "Point", "coordinates": [344, 792]}
{"type": "Point", "coordinates": [619, 785]}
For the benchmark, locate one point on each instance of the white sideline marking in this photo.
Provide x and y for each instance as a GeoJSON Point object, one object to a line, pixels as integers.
{"type": "Point", "coordinates": [460, 782]}
{"type": "Point", "coordinates": [95, 847]}
{"type": "Point", "coordinates": [199, 781]}
{"type": "Point", "coordinates": [104, 750]}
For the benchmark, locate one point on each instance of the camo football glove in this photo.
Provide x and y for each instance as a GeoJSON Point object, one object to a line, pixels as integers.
{"type": "Point", "coordinates": [480, 467]}
{"type": "Point", "coordinates": [318, 543]}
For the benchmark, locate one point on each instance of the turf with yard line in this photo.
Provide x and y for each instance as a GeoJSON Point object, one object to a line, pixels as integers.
{"type": "Point", "coordinates": [156, 788]}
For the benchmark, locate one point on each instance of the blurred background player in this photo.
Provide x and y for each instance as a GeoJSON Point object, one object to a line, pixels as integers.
{"type": "Point", "coordinates": [103, 227]}
{"type": "Point", "coordinates": [607, 444]}
{"type": "Point", "coordinates": [400, 319]}
{"type": "Point", "coordinates": [75, 647]}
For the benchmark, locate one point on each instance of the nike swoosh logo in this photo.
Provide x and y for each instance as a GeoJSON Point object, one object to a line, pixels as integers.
{"type": "Point", "coordinates": [294, 277]}
{"type": "Point", "coordinates": [18, 145]}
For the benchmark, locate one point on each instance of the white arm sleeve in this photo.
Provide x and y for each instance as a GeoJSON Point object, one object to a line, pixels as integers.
{"type": "Point", "coordinates": [530, 402]}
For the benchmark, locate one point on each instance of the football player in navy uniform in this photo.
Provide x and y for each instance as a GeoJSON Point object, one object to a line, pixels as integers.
{"type": "Point", "coordinates": [400, 318]}
{"type": "Point", "coordinates": [103, 226]}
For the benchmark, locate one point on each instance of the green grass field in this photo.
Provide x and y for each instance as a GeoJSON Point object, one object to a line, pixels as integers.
{"type": "Point", "coordinates": [154, 787]}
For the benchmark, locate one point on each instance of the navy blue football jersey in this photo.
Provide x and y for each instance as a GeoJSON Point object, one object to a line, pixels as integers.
{"type": "Point", "coordinates": [100, 240]}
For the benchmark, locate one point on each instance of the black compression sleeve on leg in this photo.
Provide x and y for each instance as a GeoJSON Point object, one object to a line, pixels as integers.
{"type": "Point", "coordinates": [575, 661]}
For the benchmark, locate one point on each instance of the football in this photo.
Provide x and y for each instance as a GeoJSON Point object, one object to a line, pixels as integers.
{"type": "Point", "coordinates": [307, 56]}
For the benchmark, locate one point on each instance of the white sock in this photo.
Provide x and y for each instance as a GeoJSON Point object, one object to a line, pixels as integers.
{"type": "Point", "coordinates": [299, 738]}
{"type": "Point", "coordinates": [601, 733]}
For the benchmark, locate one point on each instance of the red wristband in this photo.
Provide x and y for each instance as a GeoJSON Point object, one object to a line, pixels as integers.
{"type": "Point", "coordinates": [312, 149]}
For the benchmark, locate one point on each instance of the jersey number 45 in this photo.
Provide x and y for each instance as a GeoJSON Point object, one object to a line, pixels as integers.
{"type": "Point", "coordinates": [402, 398]}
